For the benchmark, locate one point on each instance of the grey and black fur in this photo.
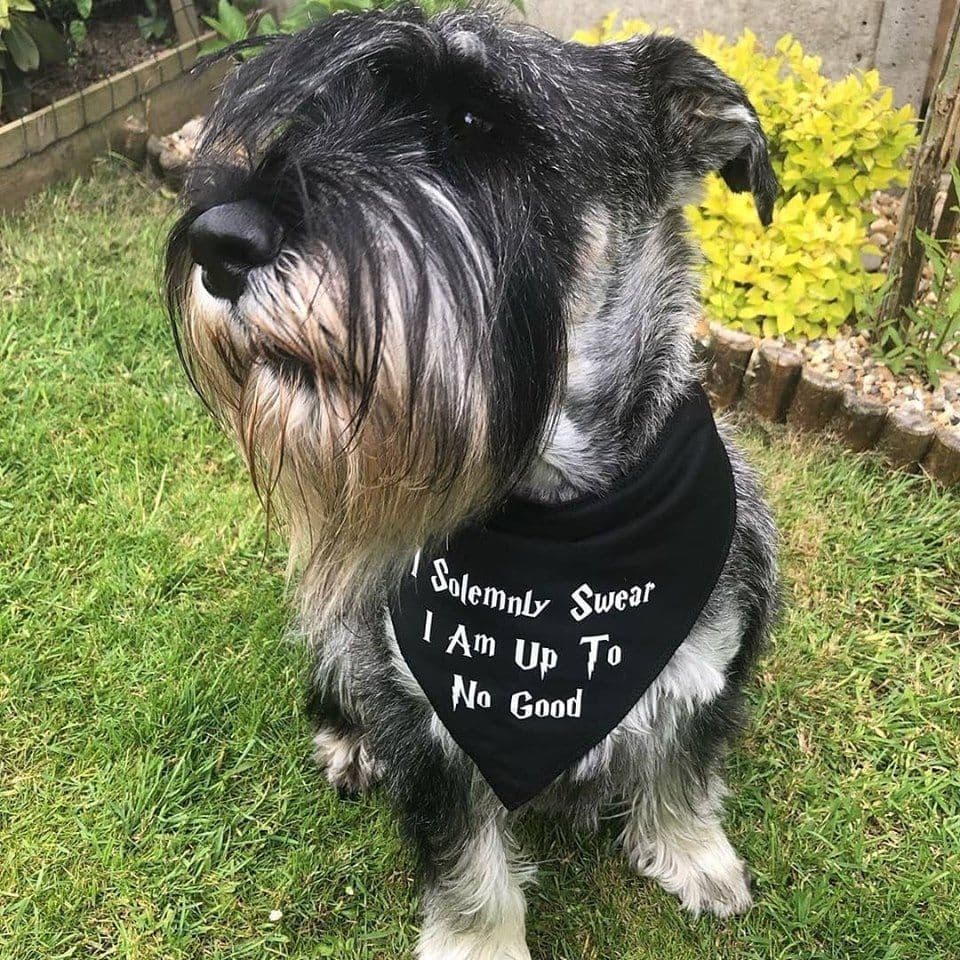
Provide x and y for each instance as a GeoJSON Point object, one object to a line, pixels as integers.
{"type": "Point", "coordinates": [427, 263]}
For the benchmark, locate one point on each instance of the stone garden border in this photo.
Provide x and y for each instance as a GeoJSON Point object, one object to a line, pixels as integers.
{"type": "Point", "coordinates": [773, 383]}
{"type": "Point", "coordinates": [117, 113]}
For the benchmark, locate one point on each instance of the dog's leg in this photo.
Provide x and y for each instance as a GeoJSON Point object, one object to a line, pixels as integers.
{"type": "Point", "coordinates": [340, 747]}
{"type": "Point", "coordinates": [674, 835]}
{"type": "Point", "coordinates": [342, 753]}
{"type": "Point", "coordinates": [474, 907]}
{"type": "Point", "coordinates": [472, 898]}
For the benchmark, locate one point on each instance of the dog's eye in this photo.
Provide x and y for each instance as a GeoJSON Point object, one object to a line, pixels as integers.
{"type": "Point", "coordinates": [468, 123]}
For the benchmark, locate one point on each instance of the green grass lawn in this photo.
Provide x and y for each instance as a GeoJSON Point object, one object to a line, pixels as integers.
{"type": "Point", "coordinates": [156, 798]}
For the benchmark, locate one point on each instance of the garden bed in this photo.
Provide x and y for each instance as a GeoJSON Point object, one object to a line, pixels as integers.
{"type": "Point", "coordinates": [778, 384]}
{"type": "Point", "coordinates": [111, 47]}
{"type": "Point", "coordinates": [850, 358]}
{"type": "Point", "coordinates": [116, 114]}
{"type": "Point", "coordinates": [118, 86]}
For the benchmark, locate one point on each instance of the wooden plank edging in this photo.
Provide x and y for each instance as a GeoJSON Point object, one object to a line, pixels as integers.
{"type": "Point", "coordinates": [778, 386]}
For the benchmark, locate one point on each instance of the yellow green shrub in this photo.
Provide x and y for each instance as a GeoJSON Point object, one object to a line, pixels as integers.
{"type": "Point", "coordinates": [832, 143]}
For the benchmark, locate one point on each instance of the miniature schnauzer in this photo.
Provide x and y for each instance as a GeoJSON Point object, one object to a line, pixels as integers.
{"type": "Point", "coordinates": [428, 266]}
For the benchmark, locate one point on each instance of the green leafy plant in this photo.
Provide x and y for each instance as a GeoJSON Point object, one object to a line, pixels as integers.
{"type": "Point", "coordinates": [927, 335]}
{"type": "Point", "coordinates": [77, 27]}
{"type": "Point", "coordinates": [27, 42]}
{"type": "Point", "coordinates": [832, 144]}
{"type": "Point", "coordinates": [231, 25]}
{"type": "Point", "coordinates": [153, 25]}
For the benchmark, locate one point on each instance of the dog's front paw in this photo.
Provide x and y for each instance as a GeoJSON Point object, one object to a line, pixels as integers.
{"type": "Point", "coordinates": [711, 879]}
{"type": "Point", "coordinates": [344, 756]}
{"type": "Point", "coordinates": [725, 893]}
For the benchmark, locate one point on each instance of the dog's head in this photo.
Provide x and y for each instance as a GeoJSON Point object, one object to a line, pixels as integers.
{"type": "Point", "coordinates": [387, 224]}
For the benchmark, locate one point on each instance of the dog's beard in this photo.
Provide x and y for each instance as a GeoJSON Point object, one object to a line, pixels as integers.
{"type": "Point", "coordinates": [361, 410]}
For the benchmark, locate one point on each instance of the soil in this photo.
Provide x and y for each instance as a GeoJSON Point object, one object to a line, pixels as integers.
{"type": "Point", "coordinates": [111, 46]}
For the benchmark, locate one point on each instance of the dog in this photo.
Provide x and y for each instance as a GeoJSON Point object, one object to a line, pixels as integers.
{"type": "Point", "coordinates": [428, 266]}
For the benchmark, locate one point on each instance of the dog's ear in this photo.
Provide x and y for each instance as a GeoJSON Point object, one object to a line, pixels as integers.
{"type": "Point", "coordinates": [708, 122]}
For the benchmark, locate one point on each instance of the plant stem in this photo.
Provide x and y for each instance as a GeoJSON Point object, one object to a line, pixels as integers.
{"type": "Point", "coordinates": [938, 150]}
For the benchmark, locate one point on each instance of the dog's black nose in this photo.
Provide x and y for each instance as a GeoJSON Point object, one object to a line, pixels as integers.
{"type": "Point", "coordinates": [230, 240]}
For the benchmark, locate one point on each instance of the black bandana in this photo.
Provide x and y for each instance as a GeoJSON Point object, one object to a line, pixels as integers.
{"type": "Point", "coordinates": [534, 634]}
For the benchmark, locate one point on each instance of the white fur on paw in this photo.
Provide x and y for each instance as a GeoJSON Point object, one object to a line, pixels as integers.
{"type": "Point", "coordinates": [345, 759]}
{"type": "Point", "coordinates": [437, 942]}
{"type": "Point", "coordinates": [708, 877]}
